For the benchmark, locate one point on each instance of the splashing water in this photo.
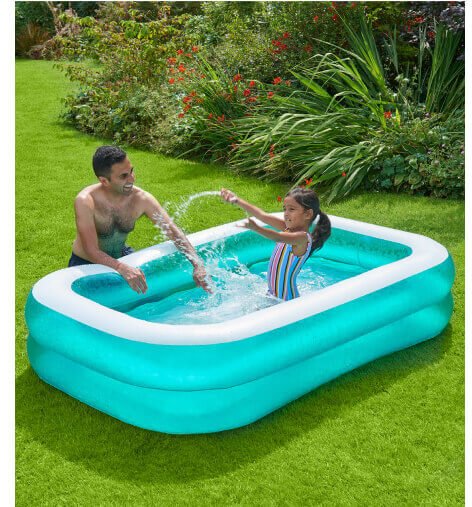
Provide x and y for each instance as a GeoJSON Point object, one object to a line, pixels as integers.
{"type": "Point", "coordinates": [236, 289]}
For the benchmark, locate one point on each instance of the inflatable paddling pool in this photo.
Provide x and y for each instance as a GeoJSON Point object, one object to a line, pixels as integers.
{"type": "Point", "coordinates": [213, 377]}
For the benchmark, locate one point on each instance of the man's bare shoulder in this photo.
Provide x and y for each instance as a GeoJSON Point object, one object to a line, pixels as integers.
{"type": "Point", "coordinates": [86, 196]}
{"type": "Point", "coordinates": [143, 195]}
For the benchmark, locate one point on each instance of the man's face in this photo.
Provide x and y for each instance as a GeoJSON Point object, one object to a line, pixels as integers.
{"type": "Point", "coordinates": [122, 177]}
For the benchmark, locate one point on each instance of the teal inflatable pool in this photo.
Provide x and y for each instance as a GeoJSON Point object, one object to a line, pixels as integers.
{"type": "Point", "coordinates": [212, 377]}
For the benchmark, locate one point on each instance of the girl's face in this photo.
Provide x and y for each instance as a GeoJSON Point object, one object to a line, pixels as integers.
{"type": "Point", "coordinates": [296, 217]}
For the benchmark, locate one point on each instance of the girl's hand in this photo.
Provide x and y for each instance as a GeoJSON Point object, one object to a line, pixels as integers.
{"type": "Point", "coordinates": [229, 196]}
{"type": "Point", "coordinates": [249, 224]}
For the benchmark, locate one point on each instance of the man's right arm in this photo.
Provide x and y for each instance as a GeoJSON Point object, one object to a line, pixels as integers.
{"type": "Point", "coordinates": [87, 233]}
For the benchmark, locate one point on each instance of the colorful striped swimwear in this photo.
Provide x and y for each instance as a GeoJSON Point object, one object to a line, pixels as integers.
{"type": "Point", "coordinates": [284, 267]}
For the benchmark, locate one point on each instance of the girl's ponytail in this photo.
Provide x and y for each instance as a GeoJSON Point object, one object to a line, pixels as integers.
{"type": "Point", "coordinates": [321, 232]}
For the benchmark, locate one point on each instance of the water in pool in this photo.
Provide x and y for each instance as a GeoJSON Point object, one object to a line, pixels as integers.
{"type": "Point", "coordinates": [237, 291]}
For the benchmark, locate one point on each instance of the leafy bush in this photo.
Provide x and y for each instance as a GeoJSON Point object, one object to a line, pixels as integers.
{"type": "Point", "coordinates": [30, 39]}
{"type": "Point", "coordinates": [426, 157]}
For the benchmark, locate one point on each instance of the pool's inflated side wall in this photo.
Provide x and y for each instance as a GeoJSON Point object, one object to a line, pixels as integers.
{"type": "Point", "coordinates": [205, 378]}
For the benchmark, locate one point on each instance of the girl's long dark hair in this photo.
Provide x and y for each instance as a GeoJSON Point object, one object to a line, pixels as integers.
{"type": "Point", "coordinates": [309, 200]}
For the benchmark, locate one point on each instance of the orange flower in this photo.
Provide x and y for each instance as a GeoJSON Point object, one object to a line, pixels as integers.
{"type": "Point", "coordinates": [181, 68]}
{"type": "Point", "coordinates": [277, 80]}
{"type": "Point", "coordinates": [193, 93]}
{"type": "Point", "coordinates": [309, 181]}
{"type": "Point", "coordinates": [247, 92]}
{"type": "Point", "coordinates": [270, 95]}
{"type": "Point", "coordinates": [181, 79]}
{"type": "Point", "coordinates": [279, 199]}
{"type": "Point", "coordinates": [252, 83]}
{"type": "Point", "coordinates": [180, 51]}
{"type": "Point", "coordinates": [388, 114]}
{"type": "Point", "coordinates": [171, 61]}
{"type": "Point", "coordinates": [343, 174]}
{"type": "Point", "coordinates": [187, 107]}
{"type": "Point", "coordinates": [195, 49]}
{"type": "Point", "coordinates": [210, 116]}
{"type": "Point", "coordinates": [171, 80]}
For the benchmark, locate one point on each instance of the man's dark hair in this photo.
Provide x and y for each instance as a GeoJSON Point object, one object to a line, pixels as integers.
{"type": "Point", "coordinates": [104, 158]}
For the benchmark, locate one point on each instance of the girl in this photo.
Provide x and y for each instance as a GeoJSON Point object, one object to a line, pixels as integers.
{"type": "Point", "coordinates": [295, 243]}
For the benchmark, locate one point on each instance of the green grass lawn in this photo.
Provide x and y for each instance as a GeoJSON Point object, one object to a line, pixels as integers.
{"type": "Point", "coordinates": [390, 433]}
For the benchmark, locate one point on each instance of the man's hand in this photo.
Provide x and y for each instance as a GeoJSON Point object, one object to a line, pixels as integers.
{"type": "Point", "coordinates": [200, 278]}
{"type": "Point", "coordinates": [134, 277]}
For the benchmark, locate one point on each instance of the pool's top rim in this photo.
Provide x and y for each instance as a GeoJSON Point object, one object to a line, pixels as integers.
{"type": "Point", "coordinates": [55, 290]}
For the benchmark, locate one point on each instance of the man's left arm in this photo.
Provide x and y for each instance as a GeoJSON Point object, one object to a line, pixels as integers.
{"type": "Point", "coordinates": [159, 216]}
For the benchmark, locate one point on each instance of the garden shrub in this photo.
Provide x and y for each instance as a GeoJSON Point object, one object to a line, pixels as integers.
{"type": "Point", "coordinates": [426, 157]}
{"type": "Point", "coordinates": [300, 91]}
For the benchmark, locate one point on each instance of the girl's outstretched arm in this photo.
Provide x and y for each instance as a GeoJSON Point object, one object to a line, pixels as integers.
{"type": "Point", "coordinates": [292, 238]}
{"type": "Point", "coordinates": [267, 218]}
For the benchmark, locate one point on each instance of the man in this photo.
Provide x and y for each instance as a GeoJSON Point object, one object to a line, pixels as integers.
{"type": "Point", "coordinates": [106, 213]}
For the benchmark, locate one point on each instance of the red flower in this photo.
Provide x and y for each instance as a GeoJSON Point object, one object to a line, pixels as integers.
{"type": "Point", "coordinates": [335, 17]}
{"type": "Point", "coordinates": [237, 77]}
{"type": "Point", "coordinates": [309, 181]}
{"type": "Point", "coordinates": [171, 80]}
{"type": "Point", "coordinates": [251, 99]}
{"type": "Point", "coordinates": [270, 95]}
{"type": "Point", "coordinates": [187, 107]}
{"type": "Point", "coordinates": [180, 51]}
{"type": "Point", "coordinates": [171, 61]}
{"type": "Point", "coordinates": [221, 118]}
{"type": "Point", "coordinates": [210, 116]}
{"type": "Point", "coordinates": [419, 19]}
{"type": "Point", "coordinates": [343, 174]}
{"type": "Point", "coordinates": [252, 83]}
{"type": "Point", "coordinates": [247, 92]}
{"type": "Point", "coordinates": [283, 46]}
{"type": "Point", "coordinates": [195, 49]}
{"type": "Point", "coordinates": [202, 76]}
{"type": "Point", "coordinates": [193, 93]}
{"type": "Point", "coordinates": [181, 115]}
{"type": "Point", "coordinates": [277, 80]}
{"type": "Point", "coordinates": [286, 35]}
{"type": "Point", "coordinates": [387, 114]}
{"type": "Point", "coordinates": [279, 199]}
{"type": "Point", "coordinates": [188, 55]}
{"type": "Point", "coordinates": [431, 35]}
{"type": "Point", "coordinates": [187, 99]}
{"type": "Point", "coordinates": [172, 70]}
{"type": "Point", "coordinates": [181, 79]}
{"type": "Point", "coordinates": [181, 68]}
{"type": "Point", "coordinates": [316, 18]}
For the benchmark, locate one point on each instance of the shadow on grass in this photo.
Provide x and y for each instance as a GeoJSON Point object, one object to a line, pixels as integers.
{"type": "Point", "coordinates": [122, 452]}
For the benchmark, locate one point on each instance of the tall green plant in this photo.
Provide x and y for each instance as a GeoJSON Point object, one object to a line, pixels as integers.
{"type": "Point", "coordinates": [446, 83]}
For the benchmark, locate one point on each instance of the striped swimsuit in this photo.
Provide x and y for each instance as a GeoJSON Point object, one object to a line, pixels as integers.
{"type": "Point", "coordinates": [284, 267]}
